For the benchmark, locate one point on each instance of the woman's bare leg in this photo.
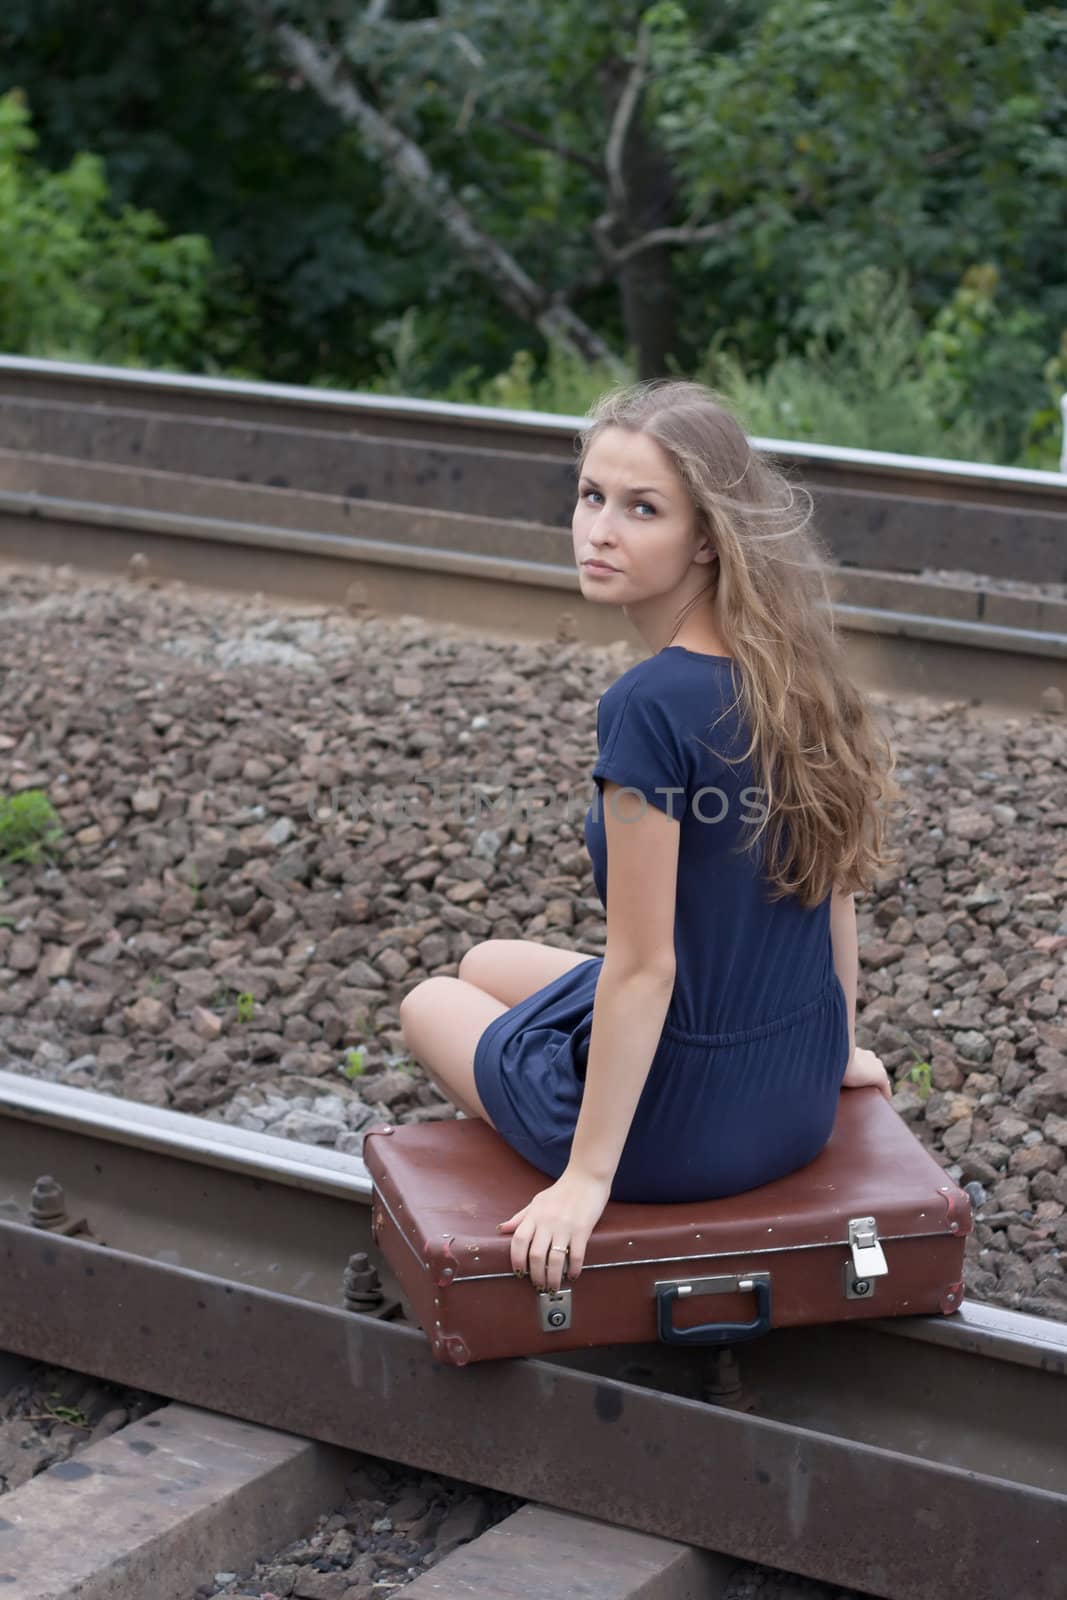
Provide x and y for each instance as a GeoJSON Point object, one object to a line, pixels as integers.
{"type": "Point", "coordinates": [443, 1018]}
{"type": "Point", "coordinates": [513, 969]}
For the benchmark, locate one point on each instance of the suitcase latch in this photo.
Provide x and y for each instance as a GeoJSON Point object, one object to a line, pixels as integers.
{"type": "Point", "coordinates": [554, 1310]}
{"type": "Point", "coordinates": [868, 1260]}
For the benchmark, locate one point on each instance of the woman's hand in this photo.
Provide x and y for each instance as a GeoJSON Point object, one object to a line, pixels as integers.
{"type": "Point", "coordinates": [866, 1068]}
{"type": "Point", "coordinates": [551, 1233]}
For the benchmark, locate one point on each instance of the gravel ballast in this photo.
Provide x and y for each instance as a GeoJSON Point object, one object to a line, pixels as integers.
{"type": "Point", "coordinates": [48, 1414]}
{"type": "Point", "coordinates": [393, 1525]}
{"type": "Point", "coordinates": [278, 818]}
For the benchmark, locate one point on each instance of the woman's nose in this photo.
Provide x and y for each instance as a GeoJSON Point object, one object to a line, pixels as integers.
{"type": "Point", "coordinates": [602, 528]}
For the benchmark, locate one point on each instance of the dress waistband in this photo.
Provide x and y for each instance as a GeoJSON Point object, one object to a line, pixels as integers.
{"type": "Point", "coordinates": [831, 989]}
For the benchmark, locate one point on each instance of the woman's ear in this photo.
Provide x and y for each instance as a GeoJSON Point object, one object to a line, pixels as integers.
{"type": "Point", "coordinates": [705, 535]}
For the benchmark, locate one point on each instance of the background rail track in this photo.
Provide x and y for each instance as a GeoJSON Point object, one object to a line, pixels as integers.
{"type": "Point", "coordinates": [462, 514]}
{"type": "Point", "coordinates": [905, 1457]}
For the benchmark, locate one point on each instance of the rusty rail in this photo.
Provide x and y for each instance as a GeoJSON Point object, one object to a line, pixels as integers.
{"type": "Point", "coordinates": [877, 510]}
{"type": "Point", "coordinates": [902, 1457]}
{"type": "Point", "coordinates": [459, 513]}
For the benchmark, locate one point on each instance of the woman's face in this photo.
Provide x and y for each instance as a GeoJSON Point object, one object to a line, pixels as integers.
{"type": "Point", "coordinates": [634, 514]}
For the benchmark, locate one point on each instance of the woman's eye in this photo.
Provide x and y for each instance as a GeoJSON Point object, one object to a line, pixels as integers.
{"type": "Point", "coordinates": [588, 494]}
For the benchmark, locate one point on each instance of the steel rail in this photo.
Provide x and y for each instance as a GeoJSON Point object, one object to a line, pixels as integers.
{"type": "Point", "coordinates": [206, 1278]}
{"type": "Point", "coordinates": [173, 1133]}
{"type": "Point", "coordinates": [458, 513]}
{"type": "Point", "coordinates": [353, 549]}
{"type": "Point", "coordinates": [440, 419]}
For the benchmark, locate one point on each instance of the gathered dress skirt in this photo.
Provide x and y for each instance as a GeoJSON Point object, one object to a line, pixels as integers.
{"type": "Point", "coordinates": [719, 1113]}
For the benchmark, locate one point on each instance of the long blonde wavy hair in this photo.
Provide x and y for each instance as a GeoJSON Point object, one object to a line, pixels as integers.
{"type": "Point", "coordinates": [823, 766]}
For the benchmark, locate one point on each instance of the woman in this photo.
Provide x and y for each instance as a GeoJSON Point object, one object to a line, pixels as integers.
{"type": "Point", "coordinates": [739, 784]}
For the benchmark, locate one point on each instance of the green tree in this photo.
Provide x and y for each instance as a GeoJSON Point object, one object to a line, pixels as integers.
{"type": "Point", "coordinates": [78, 278]}
{"type": "Point", "coordinates": [163, 91]}
{"type": "Point", "coordinates": [916, 135]}
{"type": "Point", "coordinates": [517, 136]}
{"type": "Point", "coordinates": [424, 193]}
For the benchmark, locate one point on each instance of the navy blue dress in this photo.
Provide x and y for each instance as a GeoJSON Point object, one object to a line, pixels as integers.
{"type": "Point", "coordinates": [744, 1083]}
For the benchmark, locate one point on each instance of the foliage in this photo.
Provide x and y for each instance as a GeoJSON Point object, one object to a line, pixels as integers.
{"type": "Point", "coordinates": [980, 360]}
{"type": "Point", "coordinates": [917, 136]}
{"type": "Point", "coordinates": [915, 133]}
{"type": "Point", "coordinates": [920, 1074]}
{"type": "Point", "coordinates": [862, 381]}
{"type": "Point", "coordinates": [871, 378]}
{"type": "Point", "coordinates": [188, 120]}
{"type": "Point", "coordinates": [29, 826]}
{"type": "Point", "coordinates": [77, 279]}
{"type": "Point", "coordinates": [354, 1064]}
{"type": "Point", "coordinates": [558, 383]}
{"type": "Point", "coordinates": [72, 1416]}
{"type": "Point", "coordinates": [826, 147]}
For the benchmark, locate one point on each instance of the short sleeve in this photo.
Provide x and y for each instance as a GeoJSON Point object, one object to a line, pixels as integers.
{"type": "Point", "coordinates": [640, 748]}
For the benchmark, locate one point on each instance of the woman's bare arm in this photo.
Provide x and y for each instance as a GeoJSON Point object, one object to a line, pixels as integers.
{"type": "Point", "coordinates": [636, 979]}
{"type": "Point", "coordinates": [628, 1015]}
{"type": "Point", "coordinates": [845, 942]}
{"type": "Point", "coordinates": [629, 1008]}
{"type": "Point", "coordinates": [864, 1068]}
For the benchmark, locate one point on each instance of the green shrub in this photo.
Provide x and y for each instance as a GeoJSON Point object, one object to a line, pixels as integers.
{"type": "Point", "coordinates": [29, 826]}
{"type": "Point", "coordinates": [987, 359]}
{"type": "Point", "coordinates": [873, 378]}
{"type": "Point", "coordinates": [81, 280]}
{"type": "Point", "coordinates": [976, 385]}
{"type": "Point", "coordinates": [562, 384]}
{"type": "Point", "coordinates": [354, 1064]}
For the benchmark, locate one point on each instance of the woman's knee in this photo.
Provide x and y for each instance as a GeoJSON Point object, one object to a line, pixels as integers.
{"type": "Point", "coordinates": [414, 1004]}
{"type": "Point", "coordinates": [479, 958]}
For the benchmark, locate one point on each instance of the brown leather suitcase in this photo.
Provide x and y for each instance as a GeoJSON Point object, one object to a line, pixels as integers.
{"type": "Point", "coordinates": [871, 1228]}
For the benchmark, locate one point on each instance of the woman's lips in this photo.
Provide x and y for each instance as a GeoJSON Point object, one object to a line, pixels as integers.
{"type": "Point", "coordinates": [598, 566]}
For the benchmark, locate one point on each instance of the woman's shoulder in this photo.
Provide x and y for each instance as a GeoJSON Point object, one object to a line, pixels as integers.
{"type": "Point", "coordinates": [673, 677]}
{"type": "Point", "coordinates": [684, 702]}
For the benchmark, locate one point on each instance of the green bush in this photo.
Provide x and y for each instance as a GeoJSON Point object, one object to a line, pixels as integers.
{"type": "Point", "coordinates": [80, 280]}
{"type": "Point", "coordinates": [29, 826]}
{"type": "Point", "coordinates": [561, 383]}
{"type": "Point", "coordinates": [872, 378]}
{"type": "Point", "coordinates": [976, 385]}
{"type": "Point", "coordinates": [986, 359]}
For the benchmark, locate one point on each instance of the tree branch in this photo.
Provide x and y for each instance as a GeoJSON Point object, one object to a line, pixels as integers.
{"type": "Point", "coordinates": [531, 135]}
{"type": "Point", "coordinates": [613, 256]}
{"type": "Point", "coordinates": [324, 70]}
{"type": "Point", "coordinates": [620, 122]}
{"type": "Point", "coordinates": [679, 235]}
{"type": "Point", "coordinates": [376, 12]}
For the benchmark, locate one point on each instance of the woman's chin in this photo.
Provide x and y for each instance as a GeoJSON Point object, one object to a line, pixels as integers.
{"type": "Point", "coordinates": [603, 590]}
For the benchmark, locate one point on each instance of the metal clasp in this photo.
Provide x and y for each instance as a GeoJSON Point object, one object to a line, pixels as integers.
{"type": "Point", "coordinates": [554, 1310]}
{"type": "Point", "coordinates": [867, 1261]}
{"type": "Point", "coordinates": [867, 1258]}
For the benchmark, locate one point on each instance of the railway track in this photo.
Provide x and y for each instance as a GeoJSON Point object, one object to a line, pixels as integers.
{"type": "Point", "coordinates": [176, 1503]}
{"type": "Point", "coordinates": [906, 1458]}
{"type": "Point", "coordinates": [461, 513]}
{"type": "Point", "coordinates": [185, 1504]}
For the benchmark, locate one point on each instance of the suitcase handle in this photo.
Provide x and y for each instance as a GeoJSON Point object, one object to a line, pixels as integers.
{"type": "Point", "coordinates": [713, 1332]}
